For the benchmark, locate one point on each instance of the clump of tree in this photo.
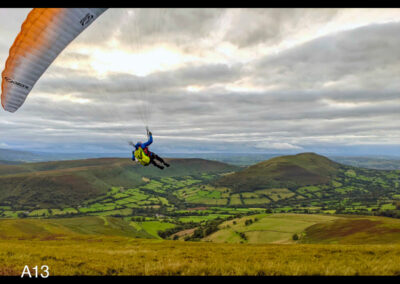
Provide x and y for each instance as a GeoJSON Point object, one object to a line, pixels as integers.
{"type": "Point", "coordinates": [388, 213]}
{"type": "Point", "coordinates": [138, 219]}
{"type": "Point", "coordinates": [165, 234]}
{"type": "Point", "coordinates": [205, 230]}
{"type": "Point", "coordinates": [242, 235]}
{"type": "Point", "coordinates": [198, 234]}
{"type": "Point", "coordinates": [22, 215]}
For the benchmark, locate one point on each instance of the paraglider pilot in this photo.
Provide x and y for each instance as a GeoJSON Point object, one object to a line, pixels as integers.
{"type": "Point", "coordinates": [143, 155]}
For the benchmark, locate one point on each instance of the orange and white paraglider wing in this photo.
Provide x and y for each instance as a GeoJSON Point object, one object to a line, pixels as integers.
{"type": "Point", "coordinates": [44, 34]}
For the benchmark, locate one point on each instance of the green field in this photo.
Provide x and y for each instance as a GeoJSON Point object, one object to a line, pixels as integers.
{"type": "Point", "coordinates": [152, 227]}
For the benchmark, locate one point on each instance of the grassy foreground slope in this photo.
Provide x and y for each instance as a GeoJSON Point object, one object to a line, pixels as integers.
{"type": "Point", "coordinates": [125, 256]}
{"type": "Point", "coordinates": [107, 246]}
{"type": "Point", "coordinates": [286, 171]}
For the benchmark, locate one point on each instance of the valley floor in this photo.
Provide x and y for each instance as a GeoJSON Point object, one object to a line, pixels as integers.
{"type": "Point", "coordinates": [106, 255]}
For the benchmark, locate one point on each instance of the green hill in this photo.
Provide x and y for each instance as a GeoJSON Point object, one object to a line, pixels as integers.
{"type": "Point", "coordinates": [67, 183]}
{"type": "Point", "coordinates": [282, 172]}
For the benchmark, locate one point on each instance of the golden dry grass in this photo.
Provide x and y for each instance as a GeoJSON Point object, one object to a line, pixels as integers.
{"type": "Point", "coordinates": [101, 255]}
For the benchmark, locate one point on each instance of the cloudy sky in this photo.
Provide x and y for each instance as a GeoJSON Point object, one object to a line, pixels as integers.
{"type": "Point", "coordinates": [211, 80]}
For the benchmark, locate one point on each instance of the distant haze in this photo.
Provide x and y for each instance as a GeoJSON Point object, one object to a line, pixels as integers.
{"type": "Point", "coordinates": [276, 81]}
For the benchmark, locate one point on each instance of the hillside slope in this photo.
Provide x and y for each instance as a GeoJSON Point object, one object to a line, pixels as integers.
{"type": "Point", "coordinates": [310, 229]}
{"type": "Point", "coordinates": [56, 229]}
{"type": "Point", "coordinates": [286, 171]}
{"type": "Point", "coordinates": [266, 228]}
{"type": "Point", "coordinates": [66, 183]}
{"type": "Point", "coordinates": [354, 230]}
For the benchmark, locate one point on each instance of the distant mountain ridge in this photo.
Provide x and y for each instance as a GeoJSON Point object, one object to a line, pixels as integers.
{"type": "Point", "coordinates": [18, 156]}
{"type": "Point", "coordinates": [2, 162]}
{"type": "Point", "coordinates": [11, 155]}
{"type": "Point", "coordinates": [379, 163]}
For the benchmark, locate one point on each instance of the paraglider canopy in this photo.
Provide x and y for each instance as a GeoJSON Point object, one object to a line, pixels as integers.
{"type": "Point", "coordinates": [43, 36]}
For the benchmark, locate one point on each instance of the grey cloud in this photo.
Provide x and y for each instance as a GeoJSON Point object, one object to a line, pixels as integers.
{"type": "Point", "coordinates": [271, 26]}
{"type": "Point", "coordinates": [357, 56]}
{"type": "Point", "coordinates": [147, 26]}
{"type": "Point", "coordinates": [74, 81]}
{"type": "Point", "coordinates": [138, 28]}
